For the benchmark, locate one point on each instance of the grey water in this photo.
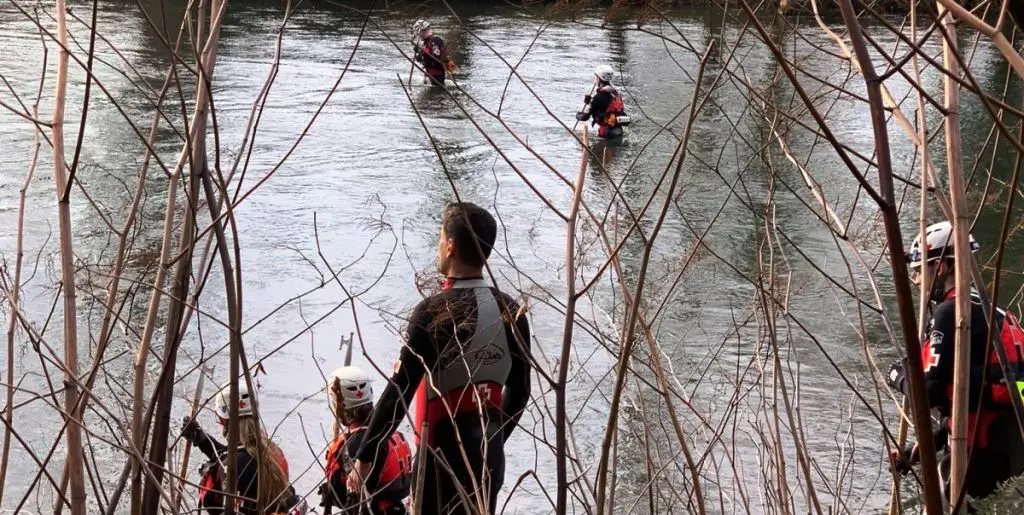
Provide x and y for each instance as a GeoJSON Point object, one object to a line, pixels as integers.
{"type": "Point", "coordinates": [353, 178]}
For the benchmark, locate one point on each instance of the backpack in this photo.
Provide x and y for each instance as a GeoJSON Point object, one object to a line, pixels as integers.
{"type": "Point", "coordinates": [1011, 337]}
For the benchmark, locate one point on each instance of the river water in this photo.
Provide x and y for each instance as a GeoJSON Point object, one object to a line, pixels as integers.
{"type": "Point", "coordinates": [362, 189]}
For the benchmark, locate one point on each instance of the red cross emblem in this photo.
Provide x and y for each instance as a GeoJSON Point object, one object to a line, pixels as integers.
{"type": "Point", "coordinates": [929, 357]}
{"type": "Point", "coordinates": [241, 404]}
{"type": "Point", "coordinates": [484, 393]}
{"type": "Point", "coordinates": [359, 393]}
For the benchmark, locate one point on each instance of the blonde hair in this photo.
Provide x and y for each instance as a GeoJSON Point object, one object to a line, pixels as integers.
{"type": "Point", "coordinates": [273, 482]}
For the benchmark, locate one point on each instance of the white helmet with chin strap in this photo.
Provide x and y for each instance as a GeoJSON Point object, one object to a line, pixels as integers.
{"type": "Point", "coordinates": [351, 386]}
{"type": "Point", "coordinates": [604, 72]}
{"type": "Point", "coordinates": [245, 401]}
{"type": "Point", "coordinates": [420, 26]}
{"type": "Point", "coordinates": [938, 244]}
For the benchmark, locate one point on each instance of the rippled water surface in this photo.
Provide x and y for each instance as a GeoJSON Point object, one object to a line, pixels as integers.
{"type": "Point", "coordinates": [353, 170]}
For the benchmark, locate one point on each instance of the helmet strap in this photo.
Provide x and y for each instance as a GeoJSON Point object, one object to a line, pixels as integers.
{"type": "Point", "coordinates": [938, 290]}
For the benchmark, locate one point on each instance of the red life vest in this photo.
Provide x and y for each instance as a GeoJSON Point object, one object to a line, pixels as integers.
{"type": "Point", "coordinates": [397, 464]}
{"type": "Point", "coordinates": [211, 479]}
{"type": "Point", "coordinates": [996, 399]}
{"type": "Point", "coordinates": [615, 108]}
{"type": "Point", "coordinates": [1011, 337]}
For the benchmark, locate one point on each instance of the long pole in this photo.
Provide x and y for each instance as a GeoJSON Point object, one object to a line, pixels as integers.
{"type": "Point", "coordinates": [421, 469]}
{"type": "Point", "coordinates": [176, 494]}
{"type": "Point", "coordinates": [348, 352]}
{"type": "Point", "coordinates": [412, 65]}
{"type": "Point", "coordinates": [585, 104]}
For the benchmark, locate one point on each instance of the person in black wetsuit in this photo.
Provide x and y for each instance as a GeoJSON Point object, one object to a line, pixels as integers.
{"type": "Point", "coordinates": [470, 346]}
{"type": "Point", "coordinates": [351, 400]}
{"type": "Point", "coordinates": [997, 451]}
{"type": "Point", "coordinates": [431, 52]}
{"type": "Point", "coordinates": [606, 106]}
{"type": "Point", "coordinates": [262, 480]}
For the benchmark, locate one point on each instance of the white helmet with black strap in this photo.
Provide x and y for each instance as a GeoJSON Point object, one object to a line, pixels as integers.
{"type": "Point", "coordinates": [351, 387]}
{"type": "Point", "coordinates": [938, 244]}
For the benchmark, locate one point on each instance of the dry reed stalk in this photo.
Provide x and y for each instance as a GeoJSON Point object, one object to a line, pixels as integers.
{"type": "Point", "coordinates": [634, 315]}
{"type": "Point", "coordinates": [569, 323]}
{"type": "Point", "coordinates": [139, 369]}
{"type": "Point", "coordinates": [75, 459]}
{"type": "Point", "coordinates": [925, 286]}
{"type": "Point", "coordinates": [1011, 55]}
{"type": "Point", "coordinates": [770, 310]}
{"type": "Point", "coordinates": [14, 297]}
{"type": "Point", "coordinates": [138, 436]}
{"type": "Point", "coordinates": [232, 295]}
{"type": "Point", "coordinates": [961, 249]}
{"type": "Point", "coordinates": [905, 303]}
{"type": "Point", "coordinates": [138, 432]}
{"type": "Point", "coordinates": [195, 152]}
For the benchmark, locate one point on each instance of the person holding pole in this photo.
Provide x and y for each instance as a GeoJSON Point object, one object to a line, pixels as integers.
{"type": "Point", "coordinates": [430, 51]}
{"type": "Point", "coordinates": [995, 445]}
{"type": "Point", "coordinates": [351, 400]}
{"type": "Point", "coordinates": [467, 351]}
{"type": "Point", "coordinates": [605, 108]}
{"type": "Point", "coordinates": [262, 482]}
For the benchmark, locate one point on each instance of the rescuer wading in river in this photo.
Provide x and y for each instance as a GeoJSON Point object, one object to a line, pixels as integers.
{"type": "Point", "coordinates": [606, 106]}
{"type": "Point", "coordinates": [431, 52]}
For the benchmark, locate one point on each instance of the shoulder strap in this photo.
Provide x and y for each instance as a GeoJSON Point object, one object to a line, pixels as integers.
{"type": "Point", "coordinates": [471, 283]}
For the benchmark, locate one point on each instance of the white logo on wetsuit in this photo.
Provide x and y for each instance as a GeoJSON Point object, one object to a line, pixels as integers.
{"type": "Point", "coordinates": [931, 358]}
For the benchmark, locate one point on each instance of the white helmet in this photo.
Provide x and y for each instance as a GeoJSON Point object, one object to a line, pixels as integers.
{"type": "Point", "coordinates": [420, 26]}
{"type": "Point", "coordinates": [351, 385]}
{"type": "Point", "coordinates": [938, 244]}
{"type": "Point", "coordinates": [245, 401]}
{"type": "Point", "coordinates": [604, 72]}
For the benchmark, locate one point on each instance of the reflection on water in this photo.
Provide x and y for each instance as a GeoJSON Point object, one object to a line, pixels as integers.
{"type": "Point", "coordinates": [370, 174]}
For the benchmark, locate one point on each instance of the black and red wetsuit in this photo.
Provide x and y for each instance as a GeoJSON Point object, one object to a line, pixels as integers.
{"type": "Point", "coordinates": [433, 55]}
{"type": "Point", "coordinates": [212, 482]}
{"type": "Point", "coordinates": [389, 485]}
{"type": "Point", "coordinates": [477, 356]}
{"type": "Point", "coordinates": [997, 451]}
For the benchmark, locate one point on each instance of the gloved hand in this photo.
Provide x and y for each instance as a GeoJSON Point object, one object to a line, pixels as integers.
{"type": "Point", "coordinates": [900, 460]}
{"type": "Point", "coordinates": [190, 429]}
{"type": "Point", "coordinates": [416, 49]}
{"type": "Point", "coordinates": [587, 99]}
{"type": "Point", "coordinates": [325, 496]}
{"type": "Point", "coordinates": [581, 116]}
{"type": "Point", "coordinates": [897, 376]}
